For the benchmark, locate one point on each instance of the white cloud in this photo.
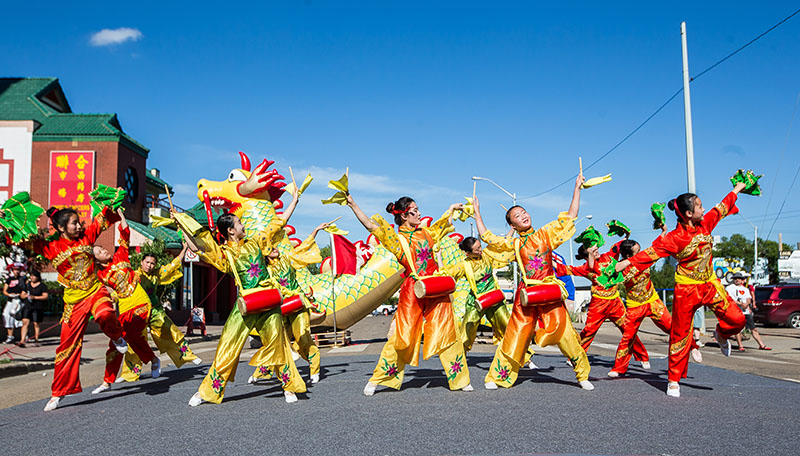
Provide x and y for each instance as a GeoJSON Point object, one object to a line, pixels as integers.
{"type": "Point", "coordinates": [108, 37]}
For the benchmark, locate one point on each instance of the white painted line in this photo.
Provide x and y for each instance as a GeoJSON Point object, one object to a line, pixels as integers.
{"type": "Point", "coordinates": [792, 380]}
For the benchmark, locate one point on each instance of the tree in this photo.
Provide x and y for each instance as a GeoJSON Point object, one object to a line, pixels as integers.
{"type": "Point", "coordinates": [739, 247]}
{"type": "Point", "coordinates": [663, 277]}
{"type": "Point", "coordinates": [326, 252]}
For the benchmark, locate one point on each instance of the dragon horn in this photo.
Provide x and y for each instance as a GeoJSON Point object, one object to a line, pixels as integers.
{"type": "Point", "coordinates": [245, 161]}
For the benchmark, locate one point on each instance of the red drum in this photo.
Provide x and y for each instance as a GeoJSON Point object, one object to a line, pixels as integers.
{"type": "Point", "coordinates": [292, 304]}
{"type": "Point", "coordinates": [257, 300]}
{"type": "Point", "coordinates": [434, 286]}
{"type": "Point", "coordinates": [491, 298]}
{"type": "Point", "coordinates": [540, 294]}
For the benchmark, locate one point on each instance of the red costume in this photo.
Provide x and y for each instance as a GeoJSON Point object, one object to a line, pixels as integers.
{"type": "Point", "coordinates": [605, 305]}
{"type": "Point", "coordinates": [642, 302]}
{"type": "Point", "coordinates": [134, 307]}
{"type": "Point", "coordinates": [696, 284]}
{"type": "Point", "coordinates": [84, 297]}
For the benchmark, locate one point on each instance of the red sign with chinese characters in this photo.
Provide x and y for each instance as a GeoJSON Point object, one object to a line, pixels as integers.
{"type": "Point", "coordinates": [71, 180]}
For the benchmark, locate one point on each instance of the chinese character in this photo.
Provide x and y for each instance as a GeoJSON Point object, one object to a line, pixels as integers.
{"type": "Point", "coordinates": [81, 187]}
{"type": "Point", "coordinates": [62, 192]}
{"type": "Point", "coordinates": [62, 161]}
{"type": "Point", "coordinates": [81, 175]}
{"type": "Point", "coordinates": [62, 175]}
{"type": "Point", "coordinates": [80, 197]}
{"type": "Point", "coordinates": [81, 162]}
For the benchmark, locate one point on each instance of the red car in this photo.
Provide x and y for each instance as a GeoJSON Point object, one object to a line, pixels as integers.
{"type": "Point", "coordinates": [778, 305]}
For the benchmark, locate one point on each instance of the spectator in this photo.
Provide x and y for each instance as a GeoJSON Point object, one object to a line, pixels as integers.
{"type": "Point", "coordinates": [37, 295]}
{"type": "Point", "coordinates": [197, 320]}
{"type": "Point", "coordinates": [744, 299]}
{"type": "Point", "coordinates": [15, 284]}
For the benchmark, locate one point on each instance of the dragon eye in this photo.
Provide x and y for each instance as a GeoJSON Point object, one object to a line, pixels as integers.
{"type": "Point", "coordinates": [237, 175]}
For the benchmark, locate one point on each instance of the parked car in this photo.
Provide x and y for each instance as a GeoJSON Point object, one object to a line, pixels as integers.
{"type": "Point", "coordinates": [778, 305]}
{"type": "Point", "coordinates": [385, 309]}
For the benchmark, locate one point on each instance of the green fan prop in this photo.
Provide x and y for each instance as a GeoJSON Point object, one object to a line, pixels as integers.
{"type": "Point", "coordinates": [590, 237]}
{"type": "Point", "coordinates": [19, 217]}
{"type": "Point", "coordinates": [105, 196]}
{"type": "Point", "coordinates": [659, 219]}
{"type": "Point", "coordinates": [617, 228]}
{"type": "Point", "coordinates": [750, 181]}
{"type": "Point", "coordinates": [609, 276]}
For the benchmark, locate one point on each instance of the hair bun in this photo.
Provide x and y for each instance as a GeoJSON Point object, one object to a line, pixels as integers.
{"type": "Point", "coordinates": [51, 212]}
{"type": "Point", "coordinates": [390, 208]}
{"type": "Point", "coordinates": [671, 204]}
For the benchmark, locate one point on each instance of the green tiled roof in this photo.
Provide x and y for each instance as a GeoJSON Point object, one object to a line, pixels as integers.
{"type": "Point", "coordinates": [169, 236]}
{"type": "Point", "coordinates": [157, 181]}
{"type": "Point", "coordinates": [198, 212]}
{"type": "Point", "coordinates": [21, 99]}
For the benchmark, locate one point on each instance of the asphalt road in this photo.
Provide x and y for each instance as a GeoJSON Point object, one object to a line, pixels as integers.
{"type": "Point", "coordinates": [720, 412]}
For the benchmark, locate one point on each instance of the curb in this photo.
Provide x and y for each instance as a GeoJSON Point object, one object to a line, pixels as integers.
{"type": "Point", "coordinates": [24, 367]}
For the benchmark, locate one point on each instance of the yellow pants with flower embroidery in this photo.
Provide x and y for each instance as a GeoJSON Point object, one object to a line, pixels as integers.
{"type": "Point", "coordinates": [557, 330]}
{"type": "Point", "coordinates": [167, 337]}
{"type": "Point", "coordinates": [299, 324]}
{"type": "Point", "coordinates": [276, 354]}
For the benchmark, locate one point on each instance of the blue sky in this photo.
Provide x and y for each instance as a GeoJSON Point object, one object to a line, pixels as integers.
{"type": "Point", "coordinates": [417, 98]}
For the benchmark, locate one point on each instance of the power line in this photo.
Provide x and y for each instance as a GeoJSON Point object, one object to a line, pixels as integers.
{"type": "Point", "coordinates": [714, 65]}
{"type": "Point", "coordinates": [784, 201]}
{"type": "Point", "coordinates": [780, 160]}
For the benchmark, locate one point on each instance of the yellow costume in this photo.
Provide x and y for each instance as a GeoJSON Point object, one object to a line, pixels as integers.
{"type": "Point", "coordinates": [245, 259]}
{"type": "Point", "coordinates": [298, 323]}
{"type": "Point", "coordinates": [406, 330]}
{"type": "Point", "coordinates": [534, 253]}
{"type": "Point", "coordinates": [166, 335]}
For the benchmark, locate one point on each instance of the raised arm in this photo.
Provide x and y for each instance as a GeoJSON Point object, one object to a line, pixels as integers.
{"type": "Point", "coordinates": [576, 197]}
{"type": "Point", "coordinates": [478, 218]}
{"type": "Point", "coordinates": [360, 215]}
{"type": "Point", "coordinates": [318, 229]}
{"type": "Point", "coordinates": [290, 209]}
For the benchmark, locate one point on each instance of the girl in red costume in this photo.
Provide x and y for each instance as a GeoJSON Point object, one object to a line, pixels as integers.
{"type": "Point", "coordinates": [696, 284]}
{"type": "Point", "coordinates": [606, 303]}
{"type": "Point", "coordinates": [133, 302]}
{"type": "Point", "coordinates": [84, 295]}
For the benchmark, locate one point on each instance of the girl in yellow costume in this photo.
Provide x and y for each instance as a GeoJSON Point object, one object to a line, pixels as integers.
{"type": "Point", "coordinates": [166, 335]}
{"type": "Point", "coordinates": [284, 269]}
{"type": "Point", "coordinates": [533, 251]}
{"type": "Point", "coordinates": [478, 268]}
{"type": "Point", "coordinates": [244, 259]}
{"type": "Point", "coordinates": [413, 247]}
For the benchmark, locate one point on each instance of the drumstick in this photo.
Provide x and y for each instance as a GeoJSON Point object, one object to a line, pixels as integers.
{"type": "Point", "coordinates": [580, 164]}
{"type": "Point", "coordinates": [293, 182]}
{"type": "Point", "coordinates": [169, 197]}
{"type": "Point", "coordinates": [337, 218]}
{"type": "Point", "coordinates": [474, 184]}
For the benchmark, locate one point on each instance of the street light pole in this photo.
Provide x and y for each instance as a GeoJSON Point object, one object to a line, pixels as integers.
{"type": "Point", "coordinates": [514, 203]}
{"type": "Point", "coordinates": [571, 256]}
{"type": "Point", "coordinates": [687, 112]}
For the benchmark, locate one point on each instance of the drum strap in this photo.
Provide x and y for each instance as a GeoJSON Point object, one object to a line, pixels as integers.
{"type": "Point", "coordinates": [552, 280]}
{"type": "Point", "coordinates": [409, 258]}
{"type": "Point", "coordinates": [233, 269]}
{"type": "Point", "coordinates": [470, 273]}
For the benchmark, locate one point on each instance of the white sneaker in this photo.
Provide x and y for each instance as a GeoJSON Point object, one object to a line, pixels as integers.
{"type": "Point", "coordinates": [119, 380]}
{"type": "Point", "coordinates": [252, 380]}
{"type": "Point", "coordinates": [586, 385]}
{"type": "Point", "coordinates": [314, 379]}
{"type": "Point", "coordinates": [724, 345]}
{"type": "Point", "coordinates": [290, 397]}
{"type": "Point", "coordinates": [369, 390]}
{"type": "Point", "coordinates": [673, 389]}
{"type": "Point", "coordinates": [197, 361]}
{"type": "Point", "coordinates": [155, 368]}
{"type": "Point", "coordinates": [52, 404]}
{"type": "Point", "coordinates": [295, 355]}
{"type": "Point", "coordinates": [697, 356]}
{"type": "Point", "coordinates": [569, 363]}
{"type": "Point", "coordinates": [613, 374]}
{"type": "Point", "coordinates": [468, 388]}
{"type": "Point", "coordinates": [196, 400]}
{"type": "Point", "coordinates": [490, 385]}
{"type": "Point", "coordinates": [101, 388]}
{"type": "Point", "coordinates": [531, 365]}
{"type": "Point", "coordinates": [121, 345]}
{"type": "Point", "coordinates": [646, 365]}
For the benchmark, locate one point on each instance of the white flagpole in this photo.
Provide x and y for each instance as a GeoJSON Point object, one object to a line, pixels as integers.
{"type": "Point", "coordinates": [333, 290]}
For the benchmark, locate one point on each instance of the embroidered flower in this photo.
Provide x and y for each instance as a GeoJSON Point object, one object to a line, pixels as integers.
{"type": "Point", "coordinates": [503, 372]}
{"type": "Point", "coordinates": [535, 263]}
{"type": "Point", "coordinates": [389, 370]}
{"type": "Point", "coordinates": [263, 370]}
{"type": "Point", "coordinates": [283, 282]}
{"type": "Point", "coordinates": [254, 270]}
{"type": "Point", "coordinates": [217, 384]}
{"type": "Point", "coordinates": [136, 369]}
{"type": "Point", "coordinates": [424, 254]}
{"type": "Point", "coordinates": [455, 368]}
{"type": "Point", "coordinates": [285, 376]}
